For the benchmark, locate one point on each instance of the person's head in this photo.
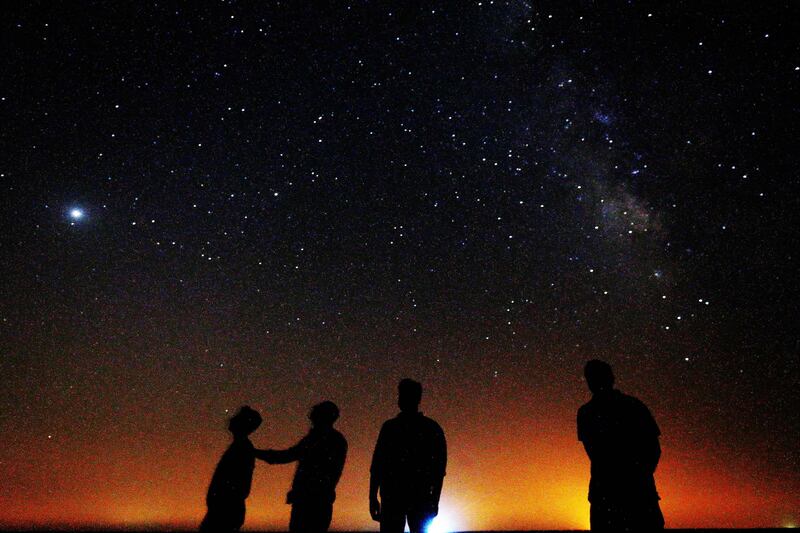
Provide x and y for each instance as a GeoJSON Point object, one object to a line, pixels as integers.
{"type": "Point", "coordinates": [324, 414]}
{"type": "Point", "coordinates": [244, 422]}
{"type": "Point", "coordinates": [409, 395]}
{"type": "Point", "coordinates": [599, 376]}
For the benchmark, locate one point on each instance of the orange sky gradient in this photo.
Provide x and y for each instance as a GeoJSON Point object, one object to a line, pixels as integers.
{"type": "Point", "coordinates": [516, 467]}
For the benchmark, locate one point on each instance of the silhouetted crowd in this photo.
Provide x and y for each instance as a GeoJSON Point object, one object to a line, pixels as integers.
{"type": "Point", "coordinates": [410, 458]}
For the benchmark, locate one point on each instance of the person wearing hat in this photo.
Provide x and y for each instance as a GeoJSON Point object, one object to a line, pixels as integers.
{"type": "Point", "coordinates": [320, 457]}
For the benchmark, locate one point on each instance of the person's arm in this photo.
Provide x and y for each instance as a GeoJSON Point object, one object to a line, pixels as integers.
{"type": "Point", "coordinates": [654, 455]}
{"type": "Point", "coordinates": [338, 462]}
{"type": "Point", "coordinates": [374, 503]}
{"type": "Point", "coordinates": [587, 443]}
{"type": "Point", "coordinates": [278, 457]}
{"type": "Point", "coordinates": [375, 474]}
{"type": "Point", "coordinates": [589, 450]}
{"type": "Point", "coordinates": [649, 432]}
{"type": "Point", "coordinates": [440, 458]}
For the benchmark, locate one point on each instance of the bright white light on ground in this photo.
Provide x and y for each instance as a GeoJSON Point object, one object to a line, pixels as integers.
{"type": "Point", "coordinates": [443, 523]}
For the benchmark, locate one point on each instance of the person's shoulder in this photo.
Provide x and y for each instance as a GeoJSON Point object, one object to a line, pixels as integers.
{"type": "Point", "coordinates": [631, 401]}
{"type": "Point", "coordinates": [337, 436]}
{"type": "Point", "coordinates": [587, 408]}
{"type": "Point", "coordinates": [390, 424]}
{"type": "Point", "coordinates": [635, 407]}
{"type": "Point", "coordinates": [431, 424]}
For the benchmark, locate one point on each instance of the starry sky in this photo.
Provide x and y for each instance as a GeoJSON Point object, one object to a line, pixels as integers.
{"type": "Point", "coordinates": [211, 204]}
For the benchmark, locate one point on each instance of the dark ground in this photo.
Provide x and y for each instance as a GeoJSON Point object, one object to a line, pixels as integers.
{"type": "Point", "coordinates": [754, 530]}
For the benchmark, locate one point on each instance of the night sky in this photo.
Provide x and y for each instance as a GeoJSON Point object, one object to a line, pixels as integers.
{"type": "Point", "coordinates": [210, 204]}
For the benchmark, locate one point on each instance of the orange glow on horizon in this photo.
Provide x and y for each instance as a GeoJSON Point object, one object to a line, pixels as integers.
{"type": "Point", "coordinates": [529, 478]}
{"type": "Point", "coordinates": [514, 463]}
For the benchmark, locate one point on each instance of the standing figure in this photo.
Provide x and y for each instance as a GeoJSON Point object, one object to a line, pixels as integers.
{"type": "Point", "coordinates": [621, 439]}
{"type": "Point", "coordinates": [230, 484]}
{"type": "Point", "coordinates": [320, 459]}
{"type": "Point", "coordinates": [408, 466]}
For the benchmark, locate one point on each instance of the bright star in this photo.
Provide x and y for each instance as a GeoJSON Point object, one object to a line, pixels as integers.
{"type": "Point", "coordinates": [76, 214]}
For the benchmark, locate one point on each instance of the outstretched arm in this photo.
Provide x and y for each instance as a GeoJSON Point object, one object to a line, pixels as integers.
{"type": "Point", "coordinates": [277, 457]}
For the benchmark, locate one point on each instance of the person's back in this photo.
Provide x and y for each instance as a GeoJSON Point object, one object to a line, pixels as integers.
{"type": "Point", "coordinates": [408, 466]}
{"type": "Point", "coordinates": [234, 473]}
{"type": "Point", "coordinates": [320, 457]}
{"type": "Point", "coordinates": [621, 439]}
{"type": "Point", "coordinates": [320, 464]}
{"type": "Point", "coordinates": [410, 455]}
{"type": "Point", "coordinates": [622, 433]}
{"type": "Point", "coordinates": [233, 476]}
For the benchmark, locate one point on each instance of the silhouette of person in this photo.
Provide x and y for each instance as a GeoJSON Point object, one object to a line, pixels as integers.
{"type": "Point", "coordinates": [320, 459]}
{"type": "Point", "coordinates": [230, 484]}
{"type": "Point", "coordinates": [408, 466]}
{"type": "Point", "coordinates": [621, 439]}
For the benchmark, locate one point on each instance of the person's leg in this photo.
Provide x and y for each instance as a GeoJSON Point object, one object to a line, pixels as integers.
{"type": "Point", "coordinates": [207, 525]}
{"type": "Point", "coordinates": [223, 517]}
{"type": "Point", "coordinates": [236, 516]}
{"type": "Point", "coordinates": [646, 516]}
{"type": "Point", "coordinates": [600, 515]}
{"type": "Point", "coordinates": [393, 516]}
{"type": "Point", "coordinates": [324, 516]}
{"type": "Point", "coordinates": [656, 518]}
{"type": "Point", "coordinates": [418, 520]}
{"type": "Point", "coordinates": [297, 518]}
{"type": "Point", "coordinates": [310, 517]}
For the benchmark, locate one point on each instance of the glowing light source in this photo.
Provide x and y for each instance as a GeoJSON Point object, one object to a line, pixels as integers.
{"type": "Point", "coordinates": [76, 213]}
{"type": "Point", "coordinates": [443, 523]}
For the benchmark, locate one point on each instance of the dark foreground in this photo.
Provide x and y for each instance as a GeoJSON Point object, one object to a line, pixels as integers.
{"type": "Point", "coordinates": [164, 530]}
